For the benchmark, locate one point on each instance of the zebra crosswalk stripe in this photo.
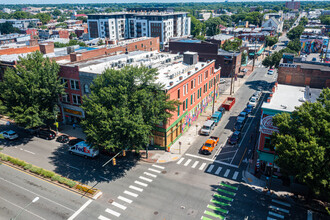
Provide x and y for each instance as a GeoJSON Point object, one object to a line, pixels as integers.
{"type": "Point", "coordinates": [202, 166]}
{"type": "Point", "coordinates": [226, 173]}
{"type": "Point", "coordinates": [218, 171]}
{"type": "Point", "coordinates": [195, 164]}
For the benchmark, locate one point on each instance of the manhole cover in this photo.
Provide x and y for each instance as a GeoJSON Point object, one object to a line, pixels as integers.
{"type": "Point", "coordinates": [111, 201]}
{"type": "Point", "coordinates": [156, 213]}
{"type": "Point", "coordinates": [176, 173]}
{"type": "Point", "coordinates": [163, 172]}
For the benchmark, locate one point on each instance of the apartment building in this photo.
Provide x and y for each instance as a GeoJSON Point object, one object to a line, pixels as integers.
{"type": "Point", "coordinates": [133, 24]}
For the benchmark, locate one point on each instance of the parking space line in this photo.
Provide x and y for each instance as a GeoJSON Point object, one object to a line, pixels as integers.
{"type": "Point", "coordinates": [150, 174]}
{"type": "Point", "coordinates": [153, 170]}
{"type": "Point", "coordinates": [180, 161]}
{"type": "Point", "coordinates": [218, 171]}
{"type": "Point", "coordinates": [235, 175]}
{"type": "Point", "coordinates": [130, 193]}
{"type": "Point", "coordinates": [125, 199]}
{"type": "Point", "coordinates": [226, 173]}
{"type": "Point", "coordinates": [140, 183]}
{"type": "Point", "coordinates": [101, 217]}
{"type": "Point", "coordinates": [210, 168]}
{"type": "Point", "coordinates": [136, 188]}
{"type": "Point", "coordinates": [279, 209]}
{"type": "Point", "coordinates": [29, 152]}
{"type": "Point", "coordinates": [187, 162]}
{"type": "Point", "coordinates": [223, 197]}
{"type": "Point", "coordinates": [227, 192]}
{"type": "Point", "coordinates": [157, 166]}
{"type": "Point", "coordinates": [281, 203]}
{"type": "Point", "coordinates": [195, 164]}
{"type": "Point", "coordinates": [117, 214]}
{"type": "Point", "coordinates": [145, 178]}
{"type": "Point", "coordinates": [202, 166]}
{"type": "Point", "coordinates": [219, 203]}
{"type": "Point", "coordinates": [119, 205]}
{"type": "Point", "coordinates": [276, 215]}
{"type": "Point", "coordinates": [269, 218]}
{"type": "Point", "coordinates": [104, 178]}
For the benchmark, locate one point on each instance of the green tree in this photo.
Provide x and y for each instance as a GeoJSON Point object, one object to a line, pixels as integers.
{"type": "Point", "coordinates": [100, 42]}
{"type": "Point", "coordinates": [43, 17]}
{"type": "Point", "coordinates": [295, 33]}
{"type": "Point", "coordinates": [84, 19]}
{"type": "Point", "coordinates": [20, 15]}
{"type": "Point", "coordinates": [303, 21]}
{"type": "Point", "coordinates": [196, 26]}
{"type": "Point", "coordinates": [123, 108]}
{"type": "Point", "coordinates": [303, 144]}
{"type": "Point", "coordinates": [7, 28]}
{"type": "Point", "coordinates": [233, 45]}
{"type": "Point", "coordinates": [31, 91]}
{"type": "Point", "coordinates": [271, 41]}
{"type": "Point", "coordinates": [294, 45]}
{"type": "Point", "coordinates": [57, 12]}
{"type": "Point", "coordinates": [273, 60]}
{"type": "Point", "coordinates": [72, 35]}
{"type": "Point", "coordinates": [243, 58]}
{"type": "Point", "coordinates": [212, 26]}
{"type": "Point", "coordinates": [61, 19]}
{"type": "Point", "coordinates": [325, 19]}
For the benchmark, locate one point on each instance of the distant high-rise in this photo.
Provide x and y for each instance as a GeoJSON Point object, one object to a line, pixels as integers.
{"type": "Point", "coordinates": [292, 5]}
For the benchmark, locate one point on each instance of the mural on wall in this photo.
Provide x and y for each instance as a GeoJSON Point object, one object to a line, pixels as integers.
{"type": "Point", "coordinates": [311, 45]}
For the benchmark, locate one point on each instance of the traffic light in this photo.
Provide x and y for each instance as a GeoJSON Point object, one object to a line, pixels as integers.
{"type": "Point", "coordinates": [114, 161]}
{"type": "Point", "coordinates": [124, 153]}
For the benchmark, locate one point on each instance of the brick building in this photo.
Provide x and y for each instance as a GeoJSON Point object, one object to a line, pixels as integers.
{"type": "Point", "coordinates": [292, 5]}
{"type": "Point", "coordinates": [228, 61]}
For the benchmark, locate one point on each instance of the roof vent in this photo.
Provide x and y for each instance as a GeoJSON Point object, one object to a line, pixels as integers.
{"type": "Point", "coordinates": [171, 76]}
{"type": "Point", "coordinates": [284, 106]}
{"type": "Point", "coordinates": [171, 83]}
{"type": "Point", "coordinates": [189, 72]}
{"type": "Point", "coordinates": [180, 77]}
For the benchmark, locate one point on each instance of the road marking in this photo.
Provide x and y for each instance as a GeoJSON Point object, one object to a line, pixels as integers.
{"type": "Point", "coordinates": [309, 215]}
{"type": "Point", "coordinates": [101, 217]}
{"type": "Point", "coordinates": [140, 183]}
{"type": "Point", "coordinates": [223, 197]}
{"type": "Point", "coordinates": [153, 170]}
{"type": "Point", "coordinates": [21, 208]}
{"type": "Point", "coordinates": [228, 152]}
{"type": "Point", "coordinates": [125, 199]}
{"type": "Point", "coordinates": [217, 209]}
{"type": "Point", "coordinates": [269, 218]}
{"type": "Point", "coordinates": [279, 209]}
{"type": "Point", "coordinates": [210, 168]}
{"type": "Point", "coordinates": [202, 166]}
{"type": "Point", "coordinates": [180, 161]}
{"type": "Point", "coordinates": [229, 186]}
{"type": "Point", "coordinates": [214, 161]}
{"type": "Point", "coordinates": [130, 193]}
{"type": "Point", "coordinates": [217, 153]}
{"type": "Point", "coordinates": [150, 174]}
{"type": "Point", "coordinates": [195, 164]}
{"type": "Point", "coordinates": [227, 192]}
{"type": "Point", "coordinates": [226, 173]}
{"type": "Point", "coordinates": [160, 167]}
{"type": "Point", "coordinates": [104, 178]}
{"type": "Point", "coordinates": [218, 171]}
{"type": "Point", "coordinates": [136, 188]}
{"type": "Point", "coordinates": [219, 203]}
{"type": "Point", "coordinates": [214, 215]}
{"type": "Point", "coordinates": [235, 154]}
{"type": "Point", "coordinates": [144, 178]}
{"type": "Point", "coordinates": [81, 209]}
{"type": "Point", "coordinates": [276, 215]}
{"type": "Point", "coordinates": [117, 214]}
{"type": "Point", "coordinates": [235, 175]}
{"type": "Point", "coordinates": [119, 205]}
{"type": "Point", "coordinates": [29, 152]}
{"type": "Point", "coordinates": [188, 161]}
{"type": "Point", "coordinates": [73, 167]}
{"type": "Point", "coordinates": [205, 218]}
{"type": "Point", "coordinates": [281, 203]}
{"type": "Point", "coordinates": [36, 194]}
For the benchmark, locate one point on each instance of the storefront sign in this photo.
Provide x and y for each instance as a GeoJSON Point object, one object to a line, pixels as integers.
{"type": "Point", "coordinates": [74, 112]}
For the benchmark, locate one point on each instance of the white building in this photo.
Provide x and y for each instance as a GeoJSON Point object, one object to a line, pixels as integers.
{"type": "Point", "coordinates": [273, 24]}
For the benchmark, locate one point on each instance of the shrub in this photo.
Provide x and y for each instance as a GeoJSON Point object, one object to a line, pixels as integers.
{"type": "Point", "coordinates": [36, 170]}
{"type": "Point", "coordinates": [56, 177]}
{"type": "Point", "coordinates": [47, 173]}
{"type": "Point", "coordinates": [4, 157]}
{"type": "Point", "coordinates": [70, 183]}
{"type": "Point", "coordinates": [27, 166]}
{"type": "Point", "coordinates": [85, 189]}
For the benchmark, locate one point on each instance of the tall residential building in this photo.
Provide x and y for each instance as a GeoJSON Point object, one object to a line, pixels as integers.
{"type": "Point", "coordinates": [132, 24]}
{"type": "Point", "coordinates": [292, 5]}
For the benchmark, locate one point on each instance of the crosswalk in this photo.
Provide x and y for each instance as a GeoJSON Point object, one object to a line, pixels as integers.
{"type": "Point", "coordinates": [278, 210]}
{"type": "Point", "coordinates": [215, 169]}
{"type": "Point", "coordinates": [133, 191]}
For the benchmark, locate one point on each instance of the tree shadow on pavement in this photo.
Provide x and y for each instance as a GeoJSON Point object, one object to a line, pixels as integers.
{"type": "Point", "coordinates": [90, 171]}
{"type": "Point", "coordinates": [261, 85]}
{"type": "Point", "coordinates": [23, 136]}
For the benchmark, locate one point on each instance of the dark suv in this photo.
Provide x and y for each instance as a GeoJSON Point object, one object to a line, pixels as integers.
{"type": "Point", "coordinates": [46, 134]}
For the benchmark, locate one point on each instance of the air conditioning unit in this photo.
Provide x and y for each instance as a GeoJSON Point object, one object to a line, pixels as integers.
{"type": "Point", "coordinates": [171, 76]}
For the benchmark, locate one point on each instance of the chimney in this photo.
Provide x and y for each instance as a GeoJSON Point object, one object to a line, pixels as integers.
{"type": "Point", "coordinates": [47, 48]}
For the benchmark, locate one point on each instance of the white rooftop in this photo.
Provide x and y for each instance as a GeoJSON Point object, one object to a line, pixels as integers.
{"type": "Point", "coordinates": [287, 97]}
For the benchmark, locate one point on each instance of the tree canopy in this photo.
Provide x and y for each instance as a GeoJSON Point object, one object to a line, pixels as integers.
{"type": "Point", "coordinates": [197, 27]}
{"type": "Point", "coordinates": [123, 108]}
{"type": "Point", "coordinates": [233, 45]}
{"type": "Point", "coordinates": [294, 45]}
{"type": "Point", "coordinates": [30, 92]}
{"type": "Point", "coordinates": [271, 41]}
{"type": "Point", "coordinates": [296, 32]}
{"type": "Point", "coordinates": [303, 144]}
{"type": "Point", "coordinates": [212, 26]}
{"type": "Point", "coordinates": [7, 28]}
{"type": "Point", "coordinates": [43, 17]}
{"type": "Point", "coordinates": [303, 21]}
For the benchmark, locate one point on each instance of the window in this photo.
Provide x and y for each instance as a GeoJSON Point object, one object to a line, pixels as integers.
{"type": "Point", "coordinates": [187, 103]}
{"type": "Point", "coordinates": [206, 74]}
{"type": "Point", "coordinates": [74, 84]}
{"type": "Point", "coordinates": [64, 82]}
{"type": "Point", "coordinates": [206, 87]}
{"type": "Point", "coordinates": [150, 42]}
{"type": "Point", "coordinates": [135, 47]}
{"type": "Point", "coordinates": [192, 84]}
{"type": "Point", "coordinates": [86, 88]}
{"type": "Point", "coordinates": [191, 99]}
{"type": "Point", "coordinates": [76, 99]}
{"type": "Point", "coordinates": [184, 90]}
{"type": "Point", "coordinates": [184, 105]}
{"type": "Point", "coordinates": [268, 145]}
{"type": "Point", "coordinates": [178, 110]}
{"type": "Point", "coordinates": [178, 93]}
{"type": "Point", "coordinates": [187, 88]}
{"type": "Point", "coordinates": [194, 97]}
{"type": "Point", "coordinates": [198, 94]}
{"type": "Point", "coordinates": [66, 98]}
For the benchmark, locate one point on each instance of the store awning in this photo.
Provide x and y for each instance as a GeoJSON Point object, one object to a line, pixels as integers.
{"type": "Point", "coordinates": [260, 51]}
{"type": "Point", "coordinates": [267, 157]}
{"type": "Point", "coordinates": [251, 54]}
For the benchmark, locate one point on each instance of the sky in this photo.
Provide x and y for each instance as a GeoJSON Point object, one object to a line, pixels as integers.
{"type": "Point", "coordinates": [113, 1]}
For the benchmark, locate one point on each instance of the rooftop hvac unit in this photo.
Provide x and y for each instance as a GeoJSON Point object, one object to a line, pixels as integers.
{"type": "Point", "coordinates": [147, 56]}
{"type": "Point", "coordinates": [171, 76]}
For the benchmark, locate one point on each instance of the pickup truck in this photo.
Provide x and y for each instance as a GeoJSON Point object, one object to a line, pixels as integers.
{"type": "Point", "coordinates": [216, 117]}
{"type": "Point", "coordinates": [209, 145]}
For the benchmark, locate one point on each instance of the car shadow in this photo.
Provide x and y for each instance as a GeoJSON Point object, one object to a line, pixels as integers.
{"type": "Point", "coordinates": [23, 136]}
{"type": "Point", "coordinates": [231, 122]}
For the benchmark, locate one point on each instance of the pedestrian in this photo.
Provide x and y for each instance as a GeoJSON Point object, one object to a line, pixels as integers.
{"type": "Point", "coordinates": [74, 126]}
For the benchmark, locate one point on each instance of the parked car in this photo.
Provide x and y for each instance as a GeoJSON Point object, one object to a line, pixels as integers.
{"type": "Point", "coordinates": [270, 71]}
{"type": "Point", "coordinates": [216, 117]}
{"type": "Point", "coordinates": [74, 141]}
{"type": "Point", "coordinates": [257, 94]}
{"type": "Point", "coordinates": [248, 109]}
{"type": "Point", "coordinates": [238, 125]}
{"type": "Point", "coordinates": [222, 81]}
{"type": "Point", "coordinates": [314, 59]}
{"type": "Point", "coordinates": [253, 101]}
{"type": "Point", "coordinates": [33, 130]}
{"type": "Point", "coordinates": [242, 116]}
{"type": "Point", "coordinates": [9, 135]}
{"type": "Point", "coordinates": [207, 127]}
{"type": "Point", "coordinates": [221, 109]}
{"type": "Point", "coordinates": [234, 138]}
{"type": "Point", "coordinates": [63, 139]}
{"type": "Point", "coordinates": [209, 145]}
{"type": "Point", "coordinates": [274, 47]}
{"type": "Point", "coordinates": [46, 134]}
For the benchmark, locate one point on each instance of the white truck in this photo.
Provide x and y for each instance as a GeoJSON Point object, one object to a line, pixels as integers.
{"type": "Point", "coordinates": [83, 149]}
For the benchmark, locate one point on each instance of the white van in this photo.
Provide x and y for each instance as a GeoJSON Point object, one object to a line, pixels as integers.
{"type": "Point", "coordinates": [207, 127]}
{"type": "Point", "coordinates": [83, 149]}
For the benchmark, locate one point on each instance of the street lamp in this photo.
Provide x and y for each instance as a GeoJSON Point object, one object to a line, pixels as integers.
{"type": "Point", "coordinates": [33, 201]}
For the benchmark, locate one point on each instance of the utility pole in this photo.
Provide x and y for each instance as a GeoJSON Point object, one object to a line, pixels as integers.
{"type": "Point", "coordinates": [254, 55]}
{"type": "Point", "coordinates": [232, 76]}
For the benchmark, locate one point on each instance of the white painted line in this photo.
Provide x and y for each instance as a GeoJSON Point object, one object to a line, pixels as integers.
{"type": "Point", "coordinates": [187, 162]}
{"type": "Point", "coordinates": [180, 161]}
{"type": "Point", "coordinates": [228, 152]}
{"type": "Point", "coordinates": [145, 178]}
{"type": "Point", "coordinates": [217, 153]}
{"type": "Point", "coordinates": [276, 215]}
{"type": "Point", "coordinates": [117, 214]}
{"type": "Point", "coordinates": [29, 152]}
{"type": "Point", "coordinates": [80, 210]}
{"type": "Point", "coordinates": [101, 217]}
{"type": "Point", "coordinates": [73, 167]}
{"type": "Point", "coordinates": [97, 195]}
{"type": "Point", "coordinates": [235, 175]}
{"type": "Point", "coordinates": [104, 178]}
{"type": "Point", "coordinates": [130, 193]}
{"type": "Point", "coordinates": [119, 205]}
{"type": "Point", "coordinates": [226, 173]}
{"type": "Point", "coordinates": [279, 209]}
{"type": "Point", "coordinates": [203, 158]}
{"type": "Point", "coordinates": [136, 188]}
{"type": "Point", "coordinates": [309, 215]}
{"type": "Point", "coordinates": [210, 168]}
{"type": "Point", "coordinates": [269, 218]}
{"type": "Point", "coordinates": [235, 154]}
{"type": "Point", "coordinates": [195, 164]}
{"type": "Point", "coordinates": [150, 174]}
{"type": "Point", "coordinates": [214, 161]}
{"type": "Point", "coordinates": [160, 167]}
{"type": "Point", "coordinates": [153, 170]}
{"type": "Point", "coordinates": [202, 166]}
{"type": "Point", "coordinates": [281, 203]}
{"type": "Point", "coordinates": [218, 171]}
{"type": "Point", "coordinates": [140, 183]}
{"type": "Point", "coordinates": [125, 199]}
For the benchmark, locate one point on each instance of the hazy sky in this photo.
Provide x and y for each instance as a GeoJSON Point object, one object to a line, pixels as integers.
{"type": "Point", "coordinates": [111, 1]}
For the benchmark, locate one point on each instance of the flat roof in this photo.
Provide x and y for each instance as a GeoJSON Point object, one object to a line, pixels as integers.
{"type": "Point", "coordinates": [287, 97]}
{"type": "Point", "coordinates": [171, 69]}
{"type": "Point", "coordinates": [222, 37]}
